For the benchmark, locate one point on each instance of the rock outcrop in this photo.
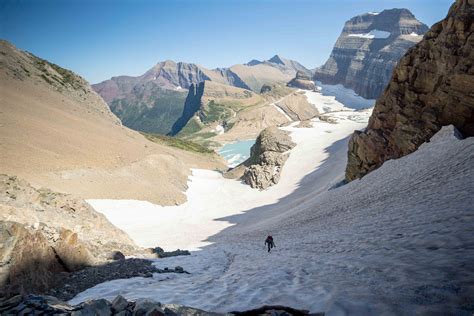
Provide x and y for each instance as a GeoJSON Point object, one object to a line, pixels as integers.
{"type": "Point", "coordinates": [302, 81]}
{"type": "Point", "coordinates": [432, 86]}
{"type": "Point", "coordinates": [267, 157]}
{"type": "Point", "coordinates": [297, 107]}
{"type": "Point", "coordinates": [43, 233]}
{"type": "Point", "coordinates": [50, 305]}
{"type": "Point", "coordinates": [368, 49]}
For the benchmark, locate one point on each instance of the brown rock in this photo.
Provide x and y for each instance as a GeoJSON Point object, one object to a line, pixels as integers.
{"type": "Point", "coordinates": [302, 81]}
{"type": "Point", "coordinates": [267, 157]}
{"type": "Point", "coordinates": [432, 86]}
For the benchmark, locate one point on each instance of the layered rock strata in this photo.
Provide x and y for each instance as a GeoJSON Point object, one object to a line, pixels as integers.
{"type": "Point", "coordinates": [432, 86]}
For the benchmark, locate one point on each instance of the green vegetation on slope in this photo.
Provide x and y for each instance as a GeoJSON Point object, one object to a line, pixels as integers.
{"type": "Point", "coordinates": [192, 127]}
{"type": "Point", "coordinates": [178, 143]}
{"type": "Point", "coordinates": [214, 112]}
{"type": "Point", "coordinates": [66, 77]}
{"type": "Point", "coordinates": [156, 114]}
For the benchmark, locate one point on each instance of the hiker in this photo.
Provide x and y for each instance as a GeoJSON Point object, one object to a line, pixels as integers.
{"type": "Point", "coordinates": [269, 242]}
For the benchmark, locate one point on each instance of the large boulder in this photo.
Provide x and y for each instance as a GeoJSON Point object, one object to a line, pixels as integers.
{"type": "Point", "coordinates": [431, 86]}
{"type": "Point", "coordinates": [267, 157]}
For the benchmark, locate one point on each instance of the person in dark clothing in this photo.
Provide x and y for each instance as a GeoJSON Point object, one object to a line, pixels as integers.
{"type": "Point", "coordinates": [270, 243]}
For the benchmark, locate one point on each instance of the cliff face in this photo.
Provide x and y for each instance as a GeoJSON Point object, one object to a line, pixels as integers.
{"type": "Point", "coordinates": [432, 86]}
{"type": "Point", "coordinates": [368, 49]}
{"type": "Point", "coordinates": [191, 106]}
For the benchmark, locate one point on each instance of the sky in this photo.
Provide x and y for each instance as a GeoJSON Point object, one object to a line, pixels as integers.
{"type": "Point", "coordinates": [104, 38]}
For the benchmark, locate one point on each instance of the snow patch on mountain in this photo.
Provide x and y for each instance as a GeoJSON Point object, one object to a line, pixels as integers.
{"type": "Point", "coordinates": [372, 34]}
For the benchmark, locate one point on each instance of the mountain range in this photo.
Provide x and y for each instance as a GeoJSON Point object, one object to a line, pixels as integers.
{"type": "Point", "coordinates": [154, 101]}
{"type": "Point", "coordinates": [362, 59]}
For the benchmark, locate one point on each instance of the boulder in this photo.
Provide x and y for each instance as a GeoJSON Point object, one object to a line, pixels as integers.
{"type": "Point", "coordinates": [267, 157]}
{"type": "Point", "coordinates": [116, 255]}
{"type": "Point", "coordinates": [119, 304]}
{"type": "Point", "coordinates": [432, 86]}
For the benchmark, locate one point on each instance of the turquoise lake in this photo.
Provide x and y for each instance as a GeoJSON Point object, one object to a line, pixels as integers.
{"type": "Point", "coordinates": [236, 153]}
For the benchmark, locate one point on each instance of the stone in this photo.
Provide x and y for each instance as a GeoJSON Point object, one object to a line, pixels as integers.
{"type": "Point", "coordinates": [142, 306]}
{"type": "Point", "coordinates": [158, 250]}
{"type": "Point", "coordinates": [155, 311]}
{"type": "Point", "coordinates": [116, 255]}
{"type": "Point", "coordinates": [179, 269]}
{"type": "Point", "coordinates": [119, 304]}
{"type": "Point", "coordinates": [178, 252]}
{"type": "Point", "coordinates": [100, 307]}
{"type": "Point", "coordinates": [431, 87]}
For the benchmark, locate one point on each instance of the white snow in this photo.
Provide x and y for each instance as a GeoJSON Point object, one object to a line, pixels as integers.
{"type": "Point", "coordinates": [332, 98]}
{"type": "Point", "coordinates": [323, 103]}
{"type": "Point", "coordinates": [219, 129]}
{"type": "Point", "coordinates": [373, 13]}
{"type": "Point", "coordinates": [398, 241]}
{"type": "Point", "coordinates": [179, 88]}
{"type": "Point", "coordinates": [372, 34]}
{"type": "Point", "coordinates": [211, 196]}
{"type": "Point", "coordinates": [414, 34]}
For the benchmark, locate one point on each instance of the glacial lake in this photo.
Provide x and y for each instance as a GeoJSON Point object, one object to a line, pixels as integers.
{"type": "Point", "coordinates": [236, 153]}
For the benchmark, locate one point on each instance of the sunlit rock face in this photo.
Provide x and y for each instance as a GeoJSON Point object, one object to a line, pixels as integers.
{"type": "Point", "coordinates": [432, 86]}
{"type": "Point", "coordinates": [368, 49]}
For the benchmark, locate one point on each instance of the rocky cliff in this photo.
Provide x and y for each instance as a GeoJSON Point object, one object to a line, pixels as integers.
{"type": "Point", "coordinates": [43, 233]}
{"type": "Point", "coordinates": [431, 86]}
{"type": "Point", "coordinates": [368, 49]}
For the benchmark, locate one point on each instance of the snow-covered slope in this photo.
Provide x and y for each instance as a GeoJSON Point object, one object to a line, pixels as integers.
{"type": "Point", "coordinates": [211, 196]}
{"type": "Point", "coordinates": [399, 241]}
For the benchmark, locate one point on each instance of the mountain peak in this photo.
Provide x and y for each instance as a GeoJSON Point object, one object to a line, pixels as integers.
{"type": "Point", "coordinates": [254, 62]}
{"type": "Point", "coordinates": [277, 60]}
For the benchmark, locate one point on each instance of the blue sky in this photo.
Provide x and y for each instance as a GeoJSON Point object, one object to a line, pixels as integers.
{"type": "Point", "coordinates": [105, 38]}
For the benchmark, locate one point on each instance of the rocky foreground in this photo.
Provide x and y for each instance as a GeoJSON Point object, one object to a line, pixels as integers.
{"type": "Point", "coordinates": [49, 305]}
